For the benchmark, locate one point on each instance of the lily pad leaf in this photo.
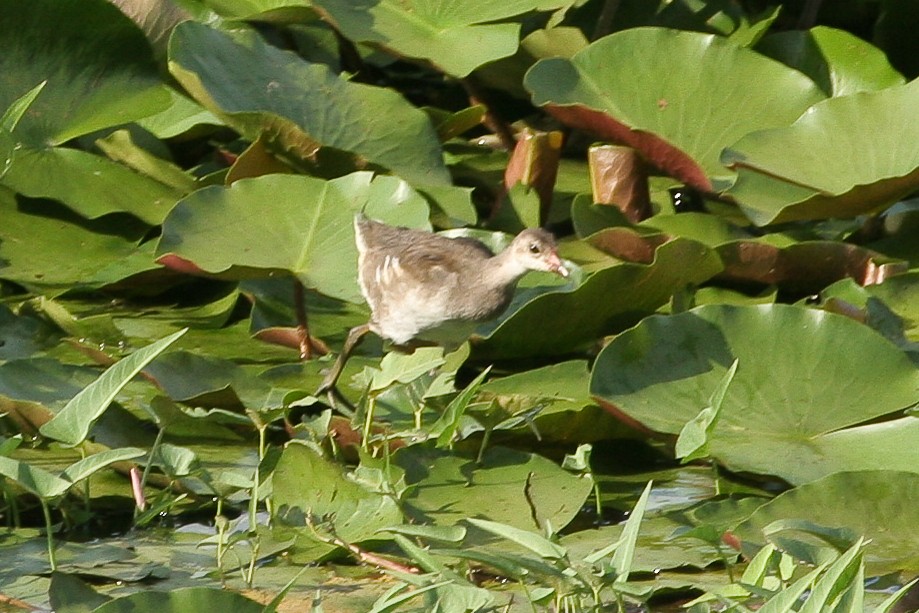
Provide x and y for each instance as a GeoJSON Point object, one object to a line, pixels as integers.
{"type": "Point", "coordinates": [69, 44]}
{"type": "Point", "coordinates": [456, 37]}
{"type": "Point", "coordinates": [88, 184]}
{"type": "Point", "coordinates": [71, 425]}
{"type": "Point", "coordinates": [186, 600]}
{"type": "Point", "coordinates": [108, 246]}
{"type": "Point", "coordinates": [512, 487]}
{"type": "Point", "coordinates": [298, 107]}
{"type": "Point", "coordinates": [875, 504]}
{"type": "Point", "coordinates": [668, 114]}
{"type": "Point", "coordinates": [845, 157]}
{"type": "Point", "coordinates": [306, 484]}
{"type": "Point", "coordinates": [839, 62]}
{"type": "Point", "coordinates": [794, 409]}
{"type": "Point", "coordinates": [294, 223]}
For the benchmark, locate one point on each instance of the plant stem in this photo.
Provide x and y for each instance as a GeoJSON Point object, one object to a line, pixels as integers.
{"type": "Point", "coordinates": [368, 421]}
{"type": "Point", "coordinates": [494, 123]}
{"type": "Point", "coordinates": [486, 436]}
{"type": "Point", "coordinates": [220, 525]}
{"type": "Point", "coordinates": [46, 511]}
{"type": "Point", "coordinates": [253, 556]}
{"type": "Point", "coordinates": [153, 451]}
{"type": "Point", "coordinates": [605, 20]}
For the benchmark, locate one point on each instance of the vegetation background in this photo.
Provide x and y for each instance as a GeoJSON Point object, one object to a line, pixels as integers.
{"type": "Point", "coordinates": [716, 409]}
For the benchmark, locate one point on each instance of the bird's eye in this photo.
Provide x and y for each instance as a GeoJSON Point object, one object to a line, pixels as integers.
{"type": "Point", "coordinates": [534, 248]}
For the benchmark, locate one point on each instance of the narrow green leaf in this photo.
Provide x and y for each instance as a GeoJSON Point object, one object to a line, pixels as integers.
{"type": "Point", "coordinates": [758, 567]}
{"type": "Point", "coordinates": [622, 558]}
{"type": "Point", "coordinates": [784, 601]}
{"type": "Point", "coordinates": [692, 443]}
{"type": "Point", "coordinates": [534, 542]}
{"type": "Point", "coordinates": [71, 426]}
{"type": "Point", "coordinates": [448, 423]}
{"type": "Point", "coordinates": [87, 466]}
{"type": "Point", "coordinates": [392, 599]}
{"type": "Point", "coordinates": [446, 534]}
{"type": "Point", "coordinates": [420, 556]}
{"type": "Point", "coordinates": [14, 113]}
{"type": "Point", "coordinates": [836, 580]}
{"type": "Point", "coordinates": [36, 480]}
{"type": "Point", "coordinates": [887, 605]}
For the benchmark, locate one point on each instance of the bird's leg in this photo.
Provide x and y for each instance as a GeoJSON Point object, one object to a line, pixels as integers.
{"type": "Point", "coordinates": [331, 379]}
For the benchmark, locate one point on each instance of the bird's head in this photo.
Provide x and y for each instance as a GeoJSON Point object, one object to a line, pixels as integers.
{"type": "Point", "coordinates": [536, 249]}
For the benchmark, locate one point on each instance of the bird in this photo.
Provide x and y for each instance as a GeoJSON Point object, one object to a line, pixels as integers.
{"type": "Point", "coordinates": [424, 288]}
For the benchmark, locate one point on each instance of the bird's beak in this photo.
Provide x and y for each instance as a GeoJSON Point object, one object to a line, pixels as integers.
{"type": "Point", "coordinates": [556, 266]}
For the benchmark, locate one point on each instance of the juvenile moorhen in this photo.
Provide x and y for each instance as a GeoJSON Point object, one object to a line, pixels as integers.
{"type": "Point", "coordinates": [426, 288]}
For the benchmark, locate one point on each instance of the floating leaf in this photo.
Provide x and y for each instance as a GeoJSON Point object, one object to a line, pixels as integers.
{"type": "Point", "coordinates": [300, 107]}
{"type": "Point", "coordinates": [107, 246]}
{"type": "Point", "coordinates": [846, 156]}
{"type": "Point", "coordinates": [182, 600]}
{"type": "Point", "coordinates": [512, 487]}
{"type": "Point", "coordinates": [299, 224]}
{"type": "Point", "coordinates": [874, 504]}
{"type": "Point", "coordinates": [69, 44]}
{"type": "Point", "coordinates": [669, 114]}
{"type": "Point", "coordinates": [839, 62]}
{"type": "Point", "coordinates": [306, 484]}
{"type": "Point", "coordinates": [456, 37]}
{"type": "Point", "coordinates": [91, 185]}
{"type": "Point", "coordinates": [794, 407]}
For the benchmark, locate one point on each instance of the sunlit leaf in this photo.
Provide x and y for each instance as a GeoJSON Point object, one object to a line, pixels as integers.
{"type": "Point", "coordinates": [69, 44]}
{"type": "Point", "coordinates": [299, 224]}
{"type": "Point", "coordinates": [72, 424]}
{"type": "Point", "coordinates": [872, 503]}
{"type": "Point", "coordinates": [300, 106]}
{"type": "Point", "coordinates": [809, 170]}
{"type": "Point", "coordinates": [457, 37]}
{"type": "Point", "coordinates": [183, 600]}
{"type": "Point", "coordinates": [794, 409]}
{"type": "Point", "coordinates": [668, 114]}
{"type": "Point", "coordinates": [839, 62]}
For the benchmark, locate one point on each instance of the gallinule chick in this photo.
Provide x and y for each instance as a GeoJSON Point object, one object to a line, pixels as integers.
{"type": "Point", "coordinates": [423, 288]}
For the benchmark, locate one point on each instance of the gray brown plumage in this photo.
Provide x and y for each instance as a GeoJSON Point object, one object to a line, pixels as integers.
{"type": "Point", "coordinates": [425, 287]}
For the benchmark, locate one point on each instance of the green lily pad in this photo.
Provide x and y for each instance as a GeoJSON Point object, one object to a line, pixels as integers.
{"type": "Point", "coordinates": [289, 223]}
{"type": "Point", "coordinates": [876, 504]}
{"type": "Point", "coordinates": [553, 402]}
{"type": "Point", "coordinates": [606, 301]}
{"type": "Point", "coordinates": [182, 600]}
{"type": "Point", "coordinates": [457, 37]}
{"type": "Point", "coordinates": [299, 107]}
{"type": "Point", "coordinates": [520, 489]}
{"type": "Point", "coordinates": [46, 263]}
{"type": "Point", "coordinates": [91, 185]}
{"type": "Point", "coordinates": [668, 114]}
{"type": "Point", "coordinates": [69, 44]}
{"type": "Point", "coordinates": [846, 156]}
{"type": "Point", "coordinates": [655, 549]}
{"type": "Point", "coordinates": [22, 337]}
{"type": "Point", "coordinates": [306, 483]}
{"type": "Point", "coordinates": [207, 381]}
{"type": "Point", "coordinates": [796, 408]}
{"type": "Point", "coordinates": [839, 62]}
{"type": "Point", "coordinates": [900, 293]}
{"type": "Point", "coordinates": [181, 116]}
